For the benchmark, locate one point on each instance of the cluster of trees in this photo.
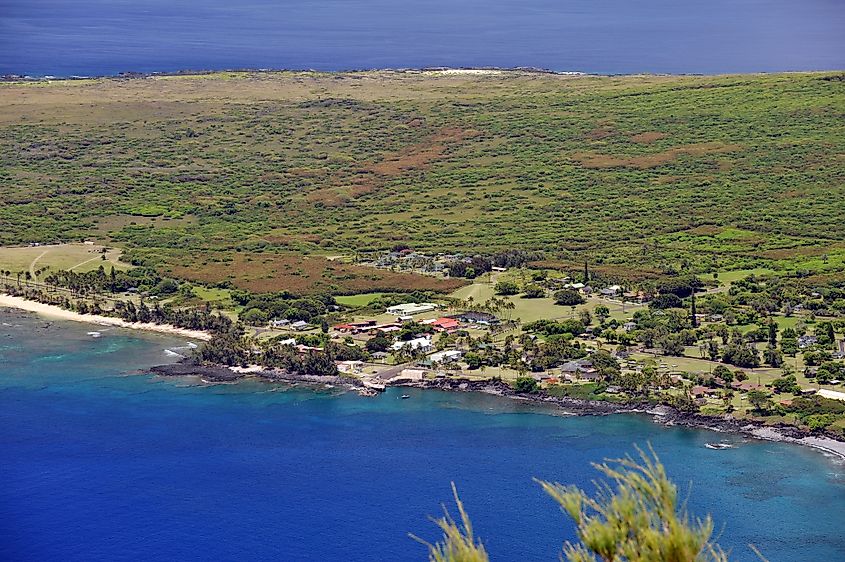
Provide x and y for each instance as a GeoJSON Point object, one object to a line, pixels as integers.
{"type": "Point", "coordinates": [259, 308]}
{"type": "Point", "coordinates": [551, 327]}
{"type": "Point", "coordinates": [529, 290]}
{"type": "Point", "coordinates": [97, 282]}
{"type": "Point", "coordinates": [232, 347]}
{"type": "Point", "coordinates": [481, 264]}
{"type": "Point", "coordinates": [784, 293]}
{"type": "Point", "coordinates": [191, 318]}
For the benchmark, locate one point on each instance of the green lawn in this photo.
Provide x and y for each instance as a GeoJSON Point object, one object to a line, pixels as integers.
{"type": "Point", "coordinates": [357, 301]}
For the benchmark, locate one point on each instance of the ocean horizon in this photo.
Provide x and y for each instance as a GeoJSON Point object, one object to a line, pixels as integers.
{"type": "Point", "coordinates": [102, 461]}
{"type": "Point", "coordinates": [104, 38]}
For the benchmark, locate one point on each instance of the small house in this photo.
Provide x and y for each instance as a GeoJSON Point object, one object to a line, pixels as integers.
{"type": "Point", "coordinates": [350, 367]}
{"type": "Point", "coordinates": [446, 356]}
{"type": "Point", "coordinates": [580, 369]}
{"type": "Point", "coordinates": [807, 341]}
{"type": "Point", "coordinates": [300, 325]}
{"type": "Point", "coordinates": [422, 344]}
{"type": "Point", "coordinates": [447, 325]}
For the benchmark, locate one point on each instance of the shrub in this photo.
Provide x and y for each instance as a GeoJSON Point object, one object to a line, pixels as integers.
{"type": "Point", "coordinates": [506, 288]}
{"type": "Point", "coordinates": [568, 297]}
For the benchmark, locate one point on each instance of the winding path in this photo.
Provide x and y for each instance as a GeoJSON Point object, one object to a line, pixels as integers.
{"type": "Point", "coordinates": [32, 264]}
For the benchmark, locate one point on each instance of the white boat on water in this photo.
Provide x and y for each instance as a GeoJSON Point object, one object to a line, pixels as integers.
{"type": "Point", "coordinates": [718, 446]}
{"type": "Point", "coordinates": [95, 334]}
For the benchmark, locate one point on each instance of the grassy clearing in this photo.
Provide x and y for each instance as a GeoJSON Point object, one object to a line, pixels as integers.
{"type": "Point", "coordinates": [358, 300]}
{"type": "Point", "coordinates": [78, 257]}
{"type": "Point", "coordinates": [728, 277]}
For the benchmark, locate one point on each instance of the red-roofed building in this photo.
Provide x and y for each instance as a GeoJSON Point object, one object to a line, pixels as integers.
{"type": "Point", "coordinates": [445, 324]}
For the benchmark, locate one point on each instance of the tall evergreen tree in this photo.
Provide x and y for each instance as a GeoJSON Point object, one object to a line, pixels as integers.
{"type": "Point", "coordinates": [693, 311]}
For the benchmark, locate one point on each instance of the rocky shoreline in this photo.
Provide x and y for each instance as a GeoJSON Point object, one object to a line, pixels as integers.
{"type": "Point", "coordinates": [662, 414]}
{"type": "Point", "coordinates": [223, 374]}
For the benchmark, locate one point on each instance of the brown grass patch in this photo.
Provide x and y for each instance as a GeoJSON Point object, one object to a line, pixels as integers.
{"type": "Point", "coordinates": [648, 137]}
{"type": "Point", "coordinates": [422, 154]}
{"type": "Point", "coordinates": [823, 279]}
{"type": "Point", "coordinates": [328, 196]}
{"type": "Point", "coordinates": [804, 251]}
{"type": "Point", "coordinates": [600, 133]}
{"type": "Point", "coordinates": [371, 177]}
{"type": "Point", "coordinates": [645, 161]}
{"type": "Point", "coordinates": [303, 275]}
{"type": "Point", "coordinates": [606, 270]}
{"type": "Point", "coordinates": [705, 230]}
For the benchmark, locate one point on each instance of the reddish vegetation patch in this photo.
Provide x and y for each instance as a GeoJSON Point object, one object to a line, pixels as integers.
{"type": "Point", "coordinates": [265, 273]}
{"type": "Point", "coordinates": [648, 137]}
{"type": "Point", "coordinates": [600, 133]}
{"type": "Point", "coordinates": [422, 154]}
{"type": "Point", "coordinates": [823, 280]}
{"type": "Point", "coordinates": [705, 230]}
{"type": "Point", "coordinates": [328, 196]}
{"type": "Point", "coordinates": [806, 251]}
{"type": "Point", "coordinates": [613, 271]}
{"type": "Point", "coordinates": [372, 176]}
{"type": "Point", "coordinates": [645, 161]}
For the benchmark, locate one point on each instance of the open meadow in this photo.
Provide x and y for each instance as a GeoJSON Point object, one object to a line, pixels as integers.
{"type": "Point", "coordinates": [37, 260]}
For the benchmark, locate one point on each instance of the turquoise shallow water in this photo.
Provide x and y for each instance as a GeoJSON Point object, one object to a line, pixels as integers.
{"type": "Point", "coordinates": [99, 463]}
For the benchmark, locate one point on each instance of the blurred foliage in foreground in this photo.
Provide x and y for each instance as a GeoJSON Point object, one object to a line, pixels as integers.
{"type": "Point", "coordinates": [634, 517]}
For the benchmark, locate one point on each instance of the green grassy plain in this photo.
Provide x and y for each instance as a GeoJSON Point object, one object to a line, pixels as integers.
{"type": "Point", "coordinates": [76, 257]}
{"type": "Point", "coordinates": [637, 173]}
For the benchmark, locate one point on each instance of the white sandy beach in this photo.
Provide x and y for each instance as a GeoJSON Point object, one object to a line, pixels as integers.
{"type": "Point", "coordinates": [62, 314]}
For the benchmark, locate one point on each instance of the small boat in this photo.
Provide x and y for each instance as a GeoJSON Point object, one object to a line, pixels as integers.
{"type": "Point", "coordinates": [718, 446]}
{"type": "Point", "coordinates": [405, 396]}
{"type": "Point", "coordinates": [94, 334]}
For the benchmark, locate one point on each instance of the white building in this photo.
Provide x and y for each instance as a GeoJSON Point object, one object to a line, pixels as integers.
{"type": "Point", "coordinates": [417, 344]}
{"type": "Point", "coordinates": [411, 308]}
{"type": "Point", "coordinates": [446, 356]}
{"type": "Point", "coordinates": [350, 367]}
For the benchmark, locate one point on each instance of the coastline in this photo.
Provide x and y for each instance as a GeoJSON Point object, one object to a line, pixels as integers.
{"type": "Point", "coordinates": [12, 78]}
{"type": "Point", "coordinates": [444, 70]}
{"type": "Point", "coordinates": [661, 414]}
{"type": "Point", "coordinates": [665, 415]}
{"type": "Point", "coordinates": [58, 313]}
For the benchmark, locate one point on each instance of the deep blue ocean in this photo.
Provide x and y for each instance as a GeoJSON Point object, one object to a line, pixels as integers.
{"type": "Point", "coordinates": [98, 462]}
{"type": "Point", "coordinates": [94, 37]}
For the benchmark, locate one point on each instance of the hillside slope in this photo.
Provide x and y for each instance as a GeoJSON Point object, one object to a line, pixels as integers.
{"type": "Point", "coordinates": [636, 171]}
